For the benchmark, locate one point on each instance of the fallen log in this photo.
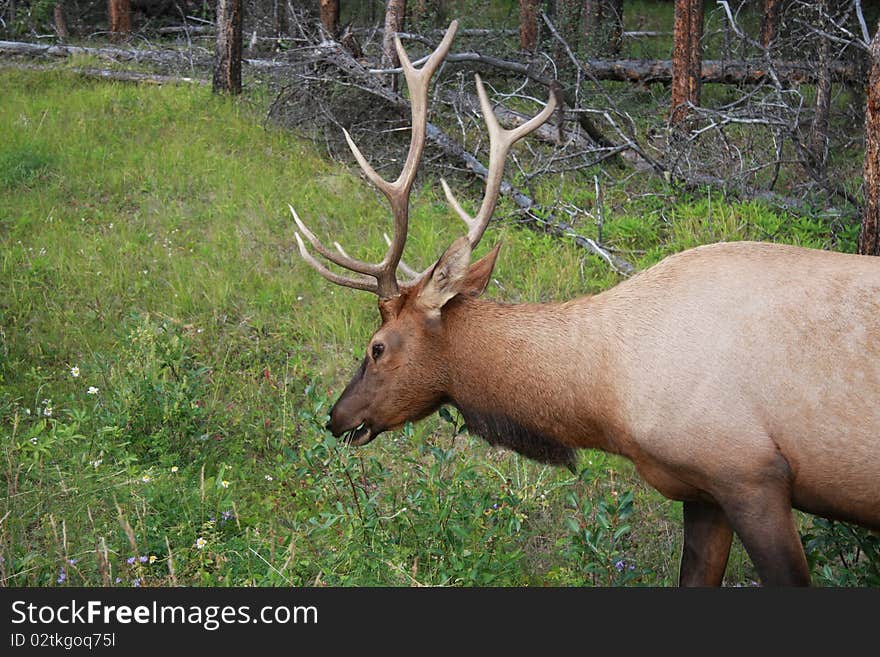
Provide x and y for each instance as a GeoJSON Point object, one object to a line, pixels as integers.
{"type": "Point", "coordinates": [63, 50]}
{"type": "Point", "coordinates": [107, 74]}
{"type": "Point", "coordinates": [659, 71]}
{"type": "Point", "coordinates": [719, 71]}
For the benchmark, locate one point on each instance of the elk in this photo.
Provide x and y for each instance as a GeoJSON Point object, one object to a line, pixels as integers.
{"type": "Point", "coordinates": [742, 379]}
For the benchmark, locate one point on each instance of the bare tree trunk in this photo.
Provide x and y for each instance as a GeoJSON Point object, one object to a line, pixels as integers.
{"type": "Point", "coordinates": [395, 13]}
{"type": "Point", "coordinates": [819, 128]}
{"type": "Point", "coordinates": [279, 16]}
{"type": "Point", "coordinates": [120, 18]}
{"type": "Point", "coordinates": [227, 56]}
{"type": "Point", "coordinates": [869, 236]}
{"type": "Point", "coordinates": [602, 26]}
{"type": "Point", "coordinates": [686, 57]}
{"type": "Point", "coordinates": [330, 16]}
{"type": "Point", "coordinates": [592, 26]}
{"type": "Point", "coordinates": [567, 19]}
{"type": "Point", "coordinates": [528, 24]}
{"type": "Point", "coordinates": [615, 26]}
{"type": "Point", "coordinates": [60, 22]}
{"type": "Point", "coordinates": [769, 21]}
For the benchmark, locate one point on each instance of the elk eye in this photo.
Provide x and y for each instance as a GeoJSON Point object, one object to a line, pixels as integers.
{"type": "Point", "coordinates": [378, 348]}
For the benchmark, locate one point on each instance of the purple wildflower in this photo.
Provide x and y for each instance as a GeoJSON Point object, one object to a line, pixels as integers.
{"type": "Point", "coordinates": [129, 561]}
{"type": "Point", "coordinates": [143, 559]}
{"type": "Point", "coordinates": [117, 580]}
{"type": "Point", "coordinates": [620, 565]}
{"type": "Point", "coordinates": [61, 576]}
{"type": "Point", "coordinates": [227, 515]}
{"type": "Point", "coordinates": [135, 582]}
{"type": "Point", "coordinates": [72, 562]}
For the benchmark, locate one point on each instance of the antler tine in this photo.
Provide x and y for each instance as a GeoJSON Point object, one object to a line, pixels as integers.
{"type": "Point", "coordinates": [360, 283]}
{"type": "Point", "coordinates": [401, 265]}
{"type": "Point", "coordinates": [342, 259]}
{"type": "Point", "coordinates": [500, 142]}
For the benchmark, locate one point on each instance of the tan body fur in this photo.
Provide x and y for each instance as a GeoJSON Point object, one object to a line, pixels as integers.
{"type": "Point", "coordinates": [703, 371]}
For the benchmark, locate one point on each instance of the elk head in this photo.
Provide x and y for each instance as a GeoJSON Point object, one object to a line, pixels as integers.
{"type": "Point", "coordinates": [403, 374]}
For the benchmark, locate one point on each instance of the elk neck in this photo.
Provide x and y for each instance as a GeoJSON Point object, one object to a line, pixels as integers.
{"type": "Point", "coordinates": [532, 377]}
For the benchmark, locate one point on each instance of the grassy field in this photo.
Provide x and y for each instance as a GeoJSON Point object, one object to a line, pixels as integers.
{"type": "Point", "coordinates": [167, 363]}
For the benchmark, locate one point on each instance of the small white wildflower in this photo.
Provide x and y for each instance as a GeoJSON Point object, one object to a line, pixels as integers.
{"type": "Point", "coordinates": [201, 542]}
{"type": "Point", "coordinates": [174, 468]}
{"type": "Point", "coordinates": [27, 411]}
{"type": "Point", "coordinates": [268, 477]}
{"type": "Point", "coordinates": [145, 271]}
{"type": "Point", "coordinates": [34, 440]}
{"type": "Point", "coordinates": [299, 298]}
{"type": "Point", "coordinates": [47, 411]}
{"type": "Point", "coordinates": [42, 251]}
{"type": "Point", "coordinates": [92, 390]}
{"type": "Point", "coordinates": [74, 372]}
{"type": "Point", "coordinates": [224, 483]}
{"type": "Point", "coordinates": [146, 479]}
{"type": "Point", "coordinates": [111, 224]}
{"type": "Point", "coordinates": [96, 463]}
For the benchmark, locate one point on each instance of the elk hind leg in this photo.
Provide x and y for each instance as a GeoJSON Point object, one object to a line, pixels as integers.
{"type": "Point", "coordinates": [764, 521]}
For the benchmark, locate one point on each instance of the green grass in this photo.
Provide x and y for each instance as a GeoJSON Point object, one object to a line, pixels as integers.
{"type": "Point", "coordinates": [147, 248]}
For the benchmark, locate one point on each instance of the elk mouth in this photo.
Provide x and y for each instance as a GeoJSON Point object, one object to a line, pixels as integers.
{"type": "Point", "coordinates": [360, 435]}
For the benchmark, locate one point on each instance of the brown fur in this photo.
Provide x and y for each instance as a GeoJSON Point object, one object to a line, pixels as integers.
{"type": "Point", "coordinates": [742, 378]}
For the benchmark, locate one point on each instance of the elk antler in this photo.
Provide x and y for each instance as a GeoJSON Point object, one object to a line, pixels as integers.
{"type": "Point", "coordinates": [500, 142]}
{"type": "Point", "coordinates": [397, 192]}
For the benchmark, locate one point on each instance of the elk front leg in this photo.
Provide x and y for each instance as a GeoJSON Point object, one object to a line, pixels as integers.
{"type": "Point", "coordinates": [707, 538]}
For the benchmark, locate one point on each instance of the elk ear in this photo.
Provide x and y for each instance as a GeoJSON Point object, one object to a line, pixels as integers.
{"type": "Point", "coordinates": [447, 278]}
{"type": "Point", "coordinates": [478, 275]}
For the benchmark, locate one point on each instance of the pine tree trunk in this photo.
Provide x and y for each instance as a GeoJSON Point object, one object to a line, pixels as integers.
{"type": "Point", "coordinates": [395, 13]}
{"type": "Point", "coordinates": [819, 127]}
{"type": "Point", "coordinates": [567, 19]}
{"type": "Point", "coordinates": [60, 22]}
{"type": "Point", "coordinates": [615, 26]}
{"type": "Point", "coordinates": [769, 21]}
{"type": "Point", "coordinates": [686, 57]}
{"type": "Point", "coordinates": [227, 56]}
{"type": "Point", "coordinates": [529, 30]}
{"type": "Point", "coordinates": [602, 26]}
{"type": "Point", "coordinates": [330, 16]}
{"type": "Point", "coordinates": [279, 16]}
{"type": "Point", "coordinates": [869, 236]}
{"type": "Point", "coordinates": [120, 18]}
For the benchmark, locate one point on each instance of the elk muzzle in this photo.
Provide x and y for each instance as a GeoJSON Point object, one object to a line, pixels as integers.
{"type": "Point", "coordinates": [349, 415]}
